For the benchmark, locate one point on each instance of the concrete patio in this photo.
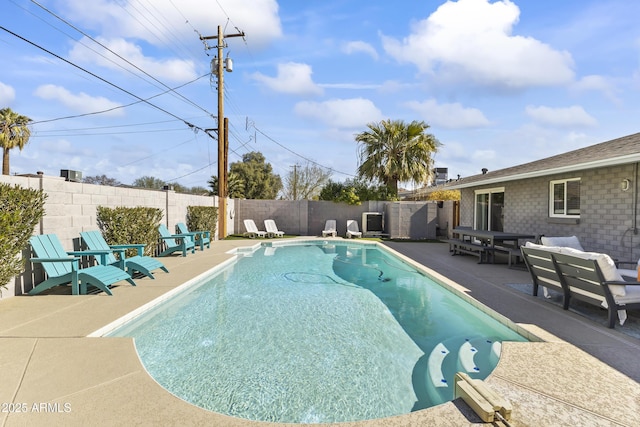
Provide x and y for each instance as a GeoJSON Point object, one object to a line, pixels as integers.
{"type": "Point", "coordinates": [54, 375]}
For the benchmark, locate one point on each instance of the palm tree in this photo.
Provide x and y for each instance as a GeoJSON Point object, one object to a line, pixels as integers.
{"type": "Point", "coordinates": [235, 186]}
{"type": "Point", "coordinates": [14, 132]}
{"type": "Point", "coordinates": [393, 151]}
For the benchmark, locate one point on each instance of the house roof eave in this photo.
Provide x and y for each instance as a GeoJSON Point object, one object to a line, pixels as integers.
{"type": "Point", "coordinates": [614, 161]}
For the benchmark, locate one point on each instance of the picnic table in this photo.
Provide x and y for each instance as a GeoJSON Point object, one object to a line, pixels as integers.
{"type": "Point", "coordinates": [485, 243]}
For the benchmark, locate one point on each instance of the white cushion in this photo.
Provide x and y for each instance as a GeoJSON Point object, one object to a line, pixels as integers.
{"type": "Point", "coordinates": [631, 274]}
{"type": "Point", "coordinates": [632, 295]}
{"type": "Point", "coordinates": [554, 249]}
{"type": "Point", "coordinates": [607, 266]}
{"type": "Point", "coordinates": [567, 242]}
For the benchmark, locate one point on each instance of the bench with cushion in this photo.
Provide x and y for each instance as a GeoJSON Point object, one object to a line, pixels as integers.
{"type": "Point", "coordinates": [587, 276]}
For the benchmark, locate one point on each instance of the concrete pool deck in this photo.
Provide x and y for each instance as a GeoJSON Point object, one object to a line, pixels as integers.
{"type": "Point", "coordinates": [52, 374]}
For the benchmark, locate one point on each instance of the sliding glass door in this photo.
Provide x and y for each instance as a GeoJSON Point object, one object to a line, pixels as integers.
{"type": "Point", "coordinates": [489, 209]}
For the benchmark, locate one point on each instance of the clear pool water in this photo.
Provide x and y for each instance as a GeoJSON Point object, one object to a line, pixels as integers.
{"type": "Point", "coordinates": [316, 333]}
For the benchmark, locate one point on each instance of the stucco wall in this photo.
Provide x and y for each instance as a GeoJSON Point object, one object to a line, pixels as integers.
{"type": "Point", "coordinates": [606, 212]}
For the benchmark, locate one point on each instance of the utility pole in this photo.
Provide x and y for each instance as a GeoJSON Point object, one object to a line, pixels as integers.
{"type": "Point", "coordinates": [218, 67]}
{"type": "Point", "coordinates": [295, 182]}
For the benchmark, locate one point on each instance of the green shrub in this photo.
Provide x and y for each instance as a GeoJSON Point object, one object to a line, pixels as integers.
{"type": "Point", "coordinates": [202, 218]}
{"type": "Point", "coordinates": [20, 211]}
{"type": "Point", "coordinates": [123, 225]}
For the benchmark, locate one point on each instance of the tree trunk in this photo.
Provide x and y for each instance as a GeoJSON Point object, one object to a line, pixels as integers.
{"type": "Point", "coordinates": [5, 161]}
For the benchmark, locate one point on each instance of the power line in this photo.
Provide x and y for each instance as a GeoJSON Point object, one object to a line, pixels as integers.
{"type": "Point", "coordinates": [300, 155]}
{"type": "Point", "coordinates": [122, 58]}
{"type": "Point", "coordinates": [190, 125]}
{"type": "Point", "coordinates": [103, 133]}
{"type": "Point", "coordinates": [167, 28]}
{"type": "Point", "coordinates": [158, 152]}
{"type": "Point", "coordinates": [110, 126]}
{"type": "Point", "coordinates": [115, 108]}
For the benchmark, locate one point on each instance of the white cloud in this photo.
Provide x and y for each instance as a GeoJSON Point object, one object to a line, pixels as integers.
{"type": "Point", "coordinates": [340, 113]}
{"type": "Point", "coordinates": [597, 84]}
{"type": "Point", "coordinates": [449, 116]}
{"type": "Point", "coordinates": [461, 159]}
{"type": "Point", "coordinates": [360, 46]}
{"type": "Point", "coordinates": [172, 23]}
{"type": "Point", "coordinates": [80, 102]}
{"type": "Point", "coordinates": [350, 86]}
{"type": "Point", "coordinates": [561, 117]}
{"type": "Point", "coordinates": [394, 86]}
{"type": "Point", "coordinates": [170, 69]}
{"type": "Point", "coordinates": [292, 78]}
{"type": "Point", "coordinates": [63, 147]}
{"type": "Point", "coordinates": [471, 42]}
{"type": "Point", "coordinates": [7, 94]}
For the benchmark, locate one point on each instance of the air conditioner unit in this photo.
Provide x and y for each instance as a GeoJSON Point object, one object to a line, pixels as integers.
{"type": "Point", "coordinates": [69, 175]}
{"type": "Point", "coordinates": [372, 224]}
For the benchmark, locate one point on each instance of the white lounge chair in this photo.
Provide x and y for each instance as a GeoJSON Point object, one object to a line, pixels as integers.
{"type": "Point", "coordinates": [330, 228]}
{"type": "Point", "coordinates": [272, 228]}
{"type": "Point", "coordinates": [252, 229]}
{"type": "Point", "coordinates": [352, 229]}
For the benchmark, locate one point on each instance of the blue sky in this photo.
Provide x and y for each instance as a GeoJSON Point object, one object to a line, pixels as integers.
{"type": "Point", "coordinates": [499, 82]}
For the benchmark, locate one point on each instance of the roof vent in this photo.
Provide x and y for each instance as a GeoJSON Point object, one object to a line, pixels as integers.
{"type": "Point", "coordinates": [484, 171]}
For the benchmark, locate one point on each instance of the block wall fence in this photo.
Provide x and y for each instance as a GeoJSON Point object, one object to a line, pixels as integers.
{"type": "Point", "coordinates": [70, 208]}
{"type": "Point", "coordinates": [402, 220]}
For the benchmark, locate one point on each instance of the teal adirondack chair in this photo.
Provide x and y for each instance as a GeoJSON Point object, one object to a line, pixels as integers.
{"type": "Point", "coordinates": [200, 237]}
{"type": "Point", "coordinates": [94, 240]}
{"type": "Point", "coordinates": [175, 242]}
{"type": "Point", "coordinates": [62, 267]}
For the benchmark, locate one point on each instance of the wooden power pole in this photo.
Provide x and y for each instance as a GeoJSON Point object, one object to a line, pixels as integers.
{"type": "Point", "coordinates": [218, 68]}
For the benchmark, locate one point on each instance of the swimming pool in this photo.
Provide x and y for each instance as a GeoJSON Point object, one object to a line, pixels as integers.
{"type": "Point", "coordinates": [316, 332]}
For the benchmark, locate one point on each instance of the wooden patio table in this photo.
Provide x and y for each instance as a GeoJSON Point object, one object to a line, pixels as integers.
{"type": "Point", "coordinates": [489, 242]}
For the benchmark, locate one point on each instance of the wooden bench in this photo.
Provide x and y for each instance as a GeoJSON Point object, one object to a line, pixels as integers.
{"type": "Point", "coordinates": [582, 277]}
{"type": "Point", "coordinates": [512, 253]}
{"type": "Point", "coordinates": [458, 246]}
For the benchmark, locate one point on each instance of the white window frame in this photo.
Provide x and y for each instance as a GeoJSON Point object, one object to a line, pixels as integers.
{"type": "Point", "coordinates": [488, 191]}
{"type": "Point", "coordinates": [553, 183]}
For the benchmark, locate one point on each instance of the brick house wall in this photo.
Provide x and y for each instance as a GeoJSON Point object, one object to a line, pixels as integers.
{"type": "Point", "coordinates": [606, 212]}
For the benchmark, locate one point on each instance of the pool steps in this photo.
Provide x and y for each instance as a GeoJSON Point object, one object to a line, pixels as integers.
{"type": "Point", "coordinates": [435, 365]}
{"type": "Point", "coordinates": [466, 355]}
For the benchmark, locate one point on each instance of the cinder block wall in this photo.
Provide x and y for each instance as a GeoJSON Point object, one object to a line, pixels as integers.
{"type": "Point", "coordinates": [290, 216]}
{"type": "Point", "coordinates": [416, 220]}
{"type": "Point", "coordinates": [70, 208]}
{"type": "Point", "coordinates": [320, 211]}
{"type": "Point", "coordinates": [411, 220]}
